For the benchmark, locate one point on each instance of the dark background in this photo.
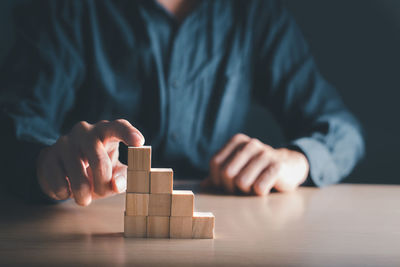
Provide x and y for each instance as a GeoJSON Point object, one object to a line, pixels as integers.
{"type": "Point", "coordinates": [356, 45]}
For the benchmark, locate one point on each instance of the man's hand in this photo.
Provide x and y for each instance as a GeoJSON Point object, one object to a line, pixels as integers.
{"type": "Point", "coordinates": [250, 166]}
{"type": "Point", "coordinates": [84, 163]}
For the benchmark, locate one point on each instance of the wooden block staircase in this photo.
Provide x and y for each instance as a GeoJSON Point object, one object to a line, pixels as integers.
{"type": "Point", "coordinates": [153, 209]}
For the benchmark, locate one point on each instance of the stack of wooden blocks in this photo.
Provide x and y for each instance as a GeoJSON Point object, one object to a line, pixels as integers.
{"type": "Point", "coordinates": [154, 209]}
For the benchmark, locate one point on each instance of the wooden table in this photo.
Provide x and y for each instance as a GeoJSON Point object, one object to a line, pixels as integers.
{"type": "Point", "coordinates": [343, 225]}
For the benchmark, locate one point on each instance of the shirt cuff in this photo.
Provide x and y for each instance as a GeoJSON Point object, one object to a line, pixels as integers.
{"type": "Point", "coordinates": [323, 170]}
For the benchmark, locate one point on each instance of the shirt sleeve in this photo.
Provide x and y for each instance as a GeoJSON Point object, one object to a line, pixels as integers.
{"type": "Point", "coordinates": [313, 117]}
{"type": "Point", "coordinates": [38, 82]}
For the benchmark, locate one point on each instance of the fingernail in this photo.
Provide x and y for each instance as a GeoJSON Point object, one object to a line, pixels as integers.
{"type": "Point", "coordinates": [120, 183]}
{"type": "Point", "coordinates": [139, 137]}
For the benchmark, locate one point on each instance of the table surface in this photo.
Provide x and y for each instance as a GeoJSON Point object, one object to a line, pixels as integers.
{"type": "Point", "coordinates": [348, 225]}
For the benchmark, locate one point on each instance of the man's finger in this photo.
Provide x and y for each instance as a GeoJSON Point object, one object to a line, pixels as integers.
{"type": "Point", "coordinates": [232, 144]}
{"type": "Point", "coordinates": [100, 164]}
{"type": "Point", "coordinates": [51, 177]}
{"type": "Point", "coordinates": [119, 130]}
{"type": "Point", "coordinates": [75, 170]}
{"type": "Point", "coordinates": [220, 157]}
{"type": "Point", "coordinates": [248, 175]}
{"type": "Point", "coordinates": [241, 157]}
{"type": "Point", "coordinates": [119, 180]}
{"type": "Point", "coordinates": [266, 181]}
{"type": "Point", "coordinates": [57, 181]}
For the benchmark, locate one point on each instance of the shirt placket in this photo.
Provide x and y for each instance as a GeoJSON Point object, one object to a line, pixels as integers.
{"type": "Point", "coordinates": [175, 94]}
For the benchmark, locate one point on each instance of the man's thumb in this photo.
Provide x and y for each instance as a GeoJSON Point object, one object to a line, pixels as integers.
{"type": "Point", "coordinates": [119, 179]}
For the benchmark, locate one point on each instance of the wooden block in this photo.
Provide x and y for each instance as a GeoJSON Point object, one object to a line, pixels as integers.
{"type": "Point", "coordinates": [182, 203]}
{"type": "Point", "coordinates": [158, 226]}
{"type": "Point", "coordinates": [138, 182]}
{"type": "Point", "coordinates": [159, 205]}
{"type": "Point", "coordinates": [161, 181]}
{"type": "Point", "coordinates": [139, 158]}
{"type": "Point", "coordinates": [180, 227]}
{"type": "Point", "coordinates": [137, 204]}
{"type": "Point", "coordinates": [135, 226]}
{"type": "Point", "coordinates": [203, 225]}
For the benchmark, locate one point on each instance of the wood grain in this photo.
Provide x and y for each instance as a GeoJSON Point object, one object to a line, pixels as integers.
{"type": "Point", "coordinates": [139, 158]}
{"type": "Point", "coordinates": [138, 182]}
{"type": "Point", "coordinates": [159, 204]}
{"type": "Point", "coordinates": [182, 203]}
{"type": "Point", "coordinates": [203, 225]}
{"type": "Point", "coordinates": [180, 227]}
{"type": "Point", "coordinates": [161, 180]}
{"type": "Point", "coordinates": [158, 226]}
{"type": "Point", "coordinates": [135, 226]}
{"type": "Point", "coordinates": [137, 204]}
{"type": "Point", "coordinates": [342, 225]}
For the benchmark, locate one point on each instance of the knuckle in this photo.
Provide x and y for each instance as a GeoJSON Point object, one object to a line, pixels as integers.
{"type": "Point", "coordinates": [82, 125]}
{"type": "Point", "coordinates": [122, 122]}
{"type": "Point", "coordinates": [239, 137]}
{"type": "Point", "coordinates": [80, 128]}
{"type": "Point", "coordinates": [255, 142]}
{"type": "Point", "coordinates": [252, 143]}
{"type": "Point", "coordinates": [267, 147]}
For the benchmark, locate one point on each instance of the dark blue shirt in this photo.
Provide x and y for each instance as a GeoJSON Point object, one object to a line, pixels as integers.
{"type": "Point", "coordinates": [186, 86]}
